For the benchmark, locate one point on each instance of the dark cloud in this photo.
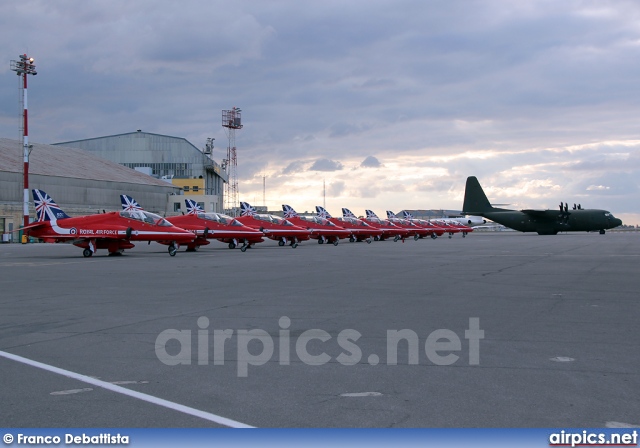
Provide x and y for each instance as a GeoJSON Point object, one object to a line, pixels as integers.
{"type": "Point", "coordinates": [326, 165]}
{"type": "Point", "coordinates": [370, 162]}
{"type": "Point", "coordinates": [294, 167]}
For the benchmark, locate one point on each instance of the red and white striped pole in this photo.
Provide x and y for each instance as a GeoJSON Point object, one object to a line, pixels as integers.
{"type": "Point", "coordinates": [25, 154]}
{"type": "Point", "coordinates": [25, 67]}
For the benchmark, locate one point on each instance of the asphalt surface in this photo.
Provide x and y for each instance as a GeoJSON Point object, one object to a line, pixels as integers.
{"type": "Point", "coordinates": [559, 316]}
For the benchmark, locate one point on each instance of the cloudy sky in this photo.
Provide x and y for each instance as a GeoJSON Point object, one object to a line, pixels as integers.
{"type": "Point", "coordinates": [391, 103]}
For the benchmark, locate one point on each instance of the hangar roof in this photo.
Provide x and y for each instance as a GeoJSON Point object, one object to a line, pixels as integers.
{"type": "Point", "coordinates": [61, 161]}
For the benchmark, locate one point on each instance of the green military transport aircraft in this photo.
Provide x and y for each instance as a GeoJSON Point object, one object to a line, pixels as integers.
{"type": "Point", "coordinates": [545, 222]}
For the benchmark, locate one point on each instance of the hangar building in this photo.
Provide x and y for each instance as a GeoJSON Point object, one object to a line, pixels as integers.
{"type": "Point", "coordinates": [172, 158]}
{"type": "Point", "coordinates": [80, 183]}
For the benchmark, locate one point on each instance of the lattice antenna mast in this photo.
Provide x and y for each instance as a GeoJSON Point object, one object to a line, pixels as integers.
{"type": "Point", "coordinates": [231, 120]}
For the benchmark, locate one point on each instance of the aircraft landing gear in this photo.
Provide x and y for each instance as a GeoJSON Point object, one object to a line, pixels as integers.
{"type": "Point", "coordinates": [281, 243]}
{"type": "Point", "coordinates": [434, 236]}
{"type": "Point", "coordinates": [368, 240]}
{"type": "Point", "coordinates": [172, 250]}
{"type": "Point", "coordinates": [116, 253]}
{"type": "Point", "coordinates": [87, 253]}
{"type": "Point", "coordinates": [416, 237]}
{"type": "Point", "coordinates": [450, 235]}
{"type": "Point", "coordinates": [335, 242]}
{"type": "Point", "coordinates": [352, 239]}
{"type": "Point", "coordinates": [320, 240]}
{"type": "Point", "coordinates": [397, 237]}
{"type": "Point", "coordinates": [232, 245]}
{"type": "Point", "coordinates": [244, 248]}
{"type": "Point", "coordinates": [602, 232]}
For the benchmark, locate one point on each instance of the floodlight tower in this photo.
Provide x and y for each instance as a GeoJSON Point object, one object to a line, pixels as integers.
{"type": "Point", "coordinates": [231, 120]}
{"type": "Point", "coordinates": [24, 67]}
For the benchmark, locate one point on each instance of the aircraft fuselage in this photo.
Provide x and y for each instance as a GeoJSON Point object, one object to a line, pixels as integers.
{"type": "Point", "coordinates": [550, 222]}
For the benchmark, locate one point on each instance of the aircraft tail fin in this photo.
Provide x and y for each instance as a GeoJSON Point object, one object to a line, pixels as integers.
{"type": "Point", "coordinates": [371, 214]}
{"type": "Point", "coordinates": [246, 209]}
{"type": "Point", "coordinates": [322, 213]}
{"type": "Point", "coordinates": [46, 208]}
{"type": "Point", "coordinates": [475, 201]}
{"type": "Point", "coordinates": [406, 215]}
{"type": "Point", "coordinates": [390, 214]}
{"type": "Point", "coordinates": [129, 204]}
{"type": "Point", "coordinates": [346, 213]}
{"type": "Point", "coordinates": [289, 212]}
{"type": "Point", "coordinates": [192, 207]}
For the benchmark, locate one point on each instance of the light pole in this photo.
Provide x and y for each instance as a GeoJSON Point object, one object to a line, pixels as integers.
{"type": "Point", "coordinates": [25, 67]}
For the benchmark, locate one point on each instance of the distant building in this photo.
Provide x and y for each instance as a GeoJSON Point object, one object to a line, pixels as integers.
{"type": "Point", "coordinates": [173, 159]}
{"type": "Point", "coordinates": [80, 183]}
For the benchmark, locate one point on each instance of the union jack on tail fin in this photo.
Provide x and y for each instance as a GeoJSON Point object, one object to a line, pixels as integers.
{"type": "Point", "coordinates": [46, 208]}
{"type": "Point", "coordinates": [406, 215]}
{"type": "Point", "coordinates": [246, 209]}
{"type": "Point", "coordinates": [371, 214]}
{"type": "Point", "coordinates": [192, 207]}
{"type": "Point", "coordinates": [289, 212]}
{"type": "Point", "coordinates": [129, 204]}
{"type": "Point", "coordinates": [346, 213]}
{"type": "Point", "coordinates": [322, 213]}
{"type": "Point", "coordinates": [390, 214]}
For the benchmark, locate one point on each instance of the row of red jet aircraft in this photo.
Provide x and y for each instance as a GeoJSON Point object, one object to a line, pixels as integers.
{"type": "Point", "coordinates": [115, 231]}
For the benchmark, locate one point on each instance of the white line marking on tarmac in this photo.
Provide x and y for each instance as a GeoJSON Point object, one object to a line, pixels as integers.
{"type": "Point", "coordinates": [72, 391]}
{"type": "Point", "coordinates": [362, 394]}
{"type": "Point", "coordinates": [131, 393]}
{"type": "Point", "coordinates": [562, 359]}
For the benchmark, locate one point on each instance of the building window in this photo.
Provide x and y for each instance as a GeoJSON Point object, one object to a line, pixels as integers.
{"type": "Point", "coordinates": [201, 205]}
{"type": "Point", "coordinates": [186, 188]}
{"type": "Point", "coordinates": [176, 206]}
{"type": "Point", "coordinates": [195, 188]}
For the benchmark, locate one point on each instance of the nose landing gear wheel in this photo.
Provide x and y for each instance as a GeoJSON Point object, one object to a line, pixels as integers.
{"type": "Point", "coordinates": [87, 253]}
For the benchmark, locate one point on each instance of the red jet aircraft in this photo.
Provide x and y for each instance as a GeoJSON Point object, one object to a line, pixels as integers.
{"type": "Point", "coordinates": [435, 230]}
{"type": "Point", "coordinates": [452, 227]}
{"type": "Point", "coordinates": [206, 226]}
{"type": "Point", "coordinates": [321, 229]}
{"type": "Point", "coordinates": [388, 228]}
{"type": "Point", "coordinates": [273, 227]}
{"type": "Point", "coordinates": [360, 230]}
{"type": "Point", "coordinates": [112, 231]}
{"type": "Point", "coordinates": [416, 231]}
